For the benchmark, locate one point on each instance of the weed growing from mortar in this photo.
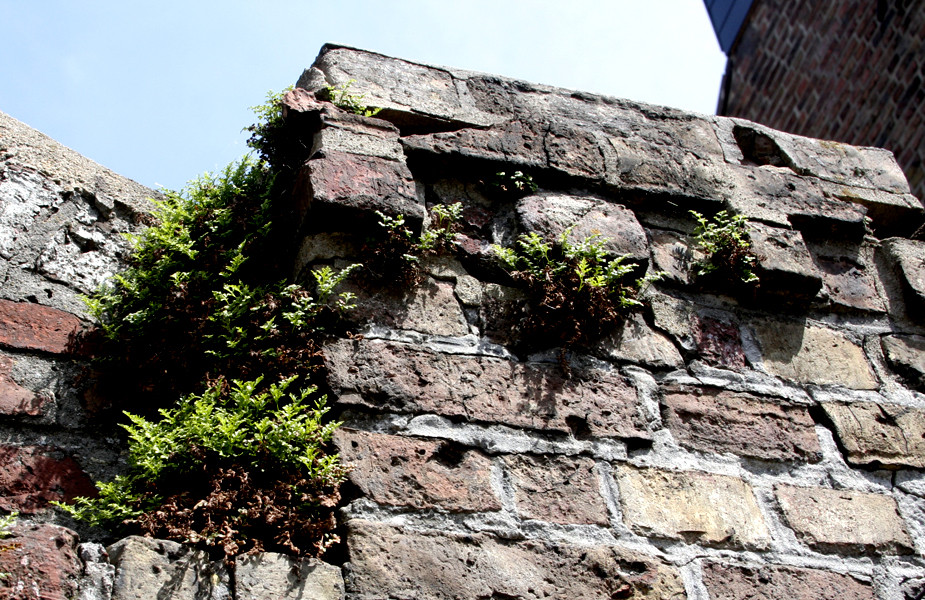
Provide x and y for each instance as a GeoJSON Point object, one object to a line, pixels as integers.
{"type": "Point", "coordinates": [396, 255]}
{"type": "Point", "coordinates": [344, 100]}
{"type": "Point", "coordinates": [239, 467]}
{"type": "Point", "coordinates": [513, 184]}
{"type": "Point", "coordinates": [578, 292]}
{"type": "Point", "coordinates": [206, 312]}
{"type": "Point", "coordinates": [724, 240]}
{"type": "Point", "coordinates": [6, 522]}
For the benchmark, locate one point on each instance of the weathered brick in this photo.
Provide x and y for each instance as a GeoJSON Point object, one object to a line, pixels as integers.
{"type": "Point", "coordinates": [272, 576]}
{"type": "Point", "coordinates": [847, 274]}
{"type": "Point", "coordinates": [733, 582]}
{"type": "Point", "coordinates": [674, 254]}
{"type": "Point", "coordinates": [908, 259]}
{"type": "Point", "coordinates": [813, 355]}
{"type": "Point", "coordinates": [150, 568]}
{"type": "Point", "coordinates": [718, 342]}
{"type": "Point", "coordinates": [906, 355]}
{"type": "Point", "coordinates": [884, 435]}
{"type": "Point", "coordinates": [696, 507]}
{"type": "Point", "coordinates": [32, 476]}
{"type": "Point", "coordinates": [844, 520]}
{"type": "Point", "coordinates": [391, 376]}
{"type": "Point", "coordinates": [634, 341]}
{"type": "Point", "coordinates": [340, 182]}
{"type": "Point", "coordinates": [430, 307]}
{"type": "Point", "coordinates": [501, 311]}
{"type": "Point", "coordinates": [573, 148]}
{"type": "Point", "coordinates": [387, 562]}
{"type": "Point", "coordinates": [354, 134]}
{"type": "Point", "coordinates": [14, 398]}
{"type": "Point", "coordinates": [637, 158]}
{"type": "Point", "coordinates": [713, 420]}
{"type": "Point", "coordinates": [27, 326]}
{"type": "Point", "coordinates": [401, 471]}
{"type": "Point", "coordinates": [519, 144]}
{"type": "Point", "coordinates": [675, 317]}
{"type": "Point", "coordinates": [298, 101]}
{"type": "Point", "coordinates": [40, 562]}
{"type": "Point", "coordinates": [550, 215]}
{"type": "Point", "coordinates": [557, 489]}
{"type": "Point", "coordinates": [785, 266]}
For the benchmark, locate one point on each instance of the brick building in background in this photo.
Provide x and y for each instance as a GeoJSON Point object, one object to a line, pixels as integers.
{"type": "Point", "coordinates": [844, 70]}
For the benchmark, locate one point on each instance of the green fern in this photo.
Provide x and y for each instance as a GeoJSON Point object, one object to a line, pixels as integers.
{"type": "Point", "coordinates": [242, 423]}
{"type": "Point", "coordinates": [725, 242]}
{"type": "Point", "coordinates": [342, 98]}
{"type": "Point", "coordinates": [578, 291]}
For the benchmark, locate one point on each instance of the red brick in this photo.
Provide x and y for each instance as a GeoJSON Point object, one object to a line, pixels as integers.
{"type": "Point", "coordinates": [729, 582]}
{"type": "Point", "coordinates": [848, 64]}
{"type": "Point", "coordinates": [389, 376]}
{"type": "Point", "coordinates": [557, 489]}
{"type": "Point", "coordinates": [401, 471]}
{"type": "Point", "coordinates": [27, 326]}
{"type": "Point", "coordinates": [719, 343]}
{"type": "Point", "coordinates": [713, 420]}
{"type": "Point", "coordinates": [15, 399]}
{"type": "Point", "coordinates": [32, 476]}
{"type": "Point", "coordinates": [359, 183]}
{"type": "Point", "coordinates": [41, 562]}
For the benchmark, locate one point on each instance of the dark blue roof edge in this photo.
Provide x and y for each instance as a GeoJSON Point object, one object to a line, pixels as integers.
{"type": "Point", "coordinates": [727, 17]}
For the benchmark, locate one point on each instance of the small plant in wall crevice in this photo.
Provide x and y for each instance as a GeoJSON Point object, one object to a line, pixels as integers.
{"type": "Point", "coordinates": [204, 337]}
{"type": "Point", "coordinates": [511, 184]}
{"type": "Point", "coordinates": [395, 256]}
{"type": "Point", "coordinates": [578, 291]}
{"type": "Point", "coordinates": [728, 251]}
{"type": "Point", "coordinates": [240, 467]}
{"type": "Point", "coordinates": [344, 99]}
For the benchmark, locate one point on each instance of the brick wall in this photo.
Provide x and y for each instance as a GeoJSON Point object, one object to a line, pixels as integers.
{"type": "Point", "coordinates": [62, 217]}
{"type": "Point", "coordinates": [846, 70]}
{"type": "Point", "coordinates": [712, 447]}
{"type": "Point", "coordinates": [720, 443]}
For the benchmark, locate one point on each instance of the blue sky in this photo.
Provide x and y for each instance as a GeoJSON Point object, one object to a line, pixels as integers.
{"type": "Point", "coordinates": [159, 91]}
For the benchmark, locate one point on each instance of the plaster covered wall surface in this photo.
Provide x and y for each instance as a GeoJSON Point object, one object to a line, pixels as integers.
{"type": "Point", "coordinates": [763, 444]}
